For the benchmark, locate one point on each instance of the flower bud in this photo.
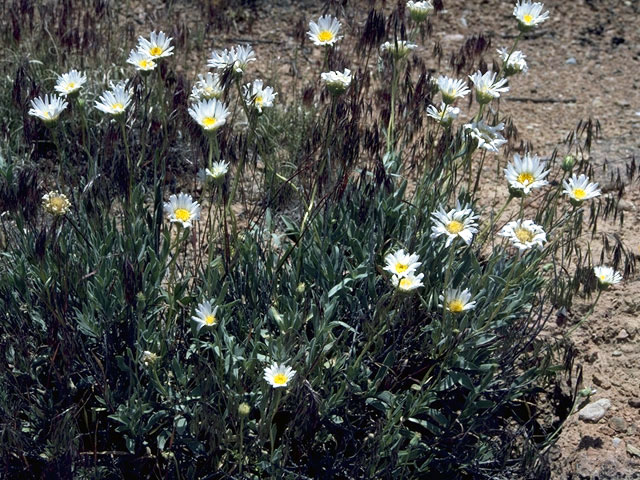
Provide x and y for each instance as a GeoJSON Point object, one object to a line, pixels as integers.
{"type": "Point", "coordinates": [419, 11]}
{"type": "Point", "coordinates": [568, 162]}
{"type": "Point", "coordinates": [244, 409]}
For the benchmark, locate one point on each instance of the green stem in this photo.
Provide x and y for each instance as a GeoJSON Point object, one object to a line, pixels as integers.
{"type": "Point", "coordinates": [241, 446]}
{"type": "Point", "coordinates": [276, 404]}
{"type": "Point", "coordinates": [61, 158]}
{"type": "Point", "coordinates": [506, 60]}
{"type": "Point", "coordinates": [390, 126]}
{"type": "Point", "coordinates": [129, 166]}
{"type": "Point", "coordinates": [505, 291]}
{"type": "Point", "coordinates": [489, 227]}
{"type": "Point", "coordinates": [382, 311]}
{"type": "Point", "coordinates": [475, 187]}
{"type": "Point", "coordinates": [587, 315]}
{"type": "Point", "coordinates": [447, 278]}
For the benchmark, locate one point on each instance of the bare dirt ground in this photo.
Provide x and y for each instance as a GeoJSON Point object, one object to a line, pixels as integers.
{"type": "Point", "coordinates": [584, 62]}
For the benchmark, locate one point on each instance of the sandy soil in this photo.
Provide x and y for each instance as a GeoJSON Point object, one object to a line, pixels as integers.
{"type": "Point", "coordinates": [584, 62]}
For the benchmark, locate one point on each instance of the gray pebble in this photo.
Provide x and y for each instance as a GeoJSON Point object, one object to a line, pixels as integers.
{"type": "Point", "coordinates": [619, 424]}
{"type": "Point", "coordinates": [595, 411]}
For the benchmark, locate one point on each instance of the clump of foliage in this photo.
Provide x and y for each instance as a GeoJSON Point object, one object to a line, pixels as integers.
{"type": "Point", "coordinates": [136, 345]}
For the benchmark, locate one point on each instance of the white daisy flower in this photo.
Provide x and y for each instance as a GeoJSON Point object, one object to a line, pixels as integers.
{"type": "Point", "coordinates": [526, 173]}
{"type": "Point", "coordinates": [524, 234]}
{"type": "Point", "coordinates": [337, 82]}
{"type": "Point", "coordinates": [456, 300]}
{"type": "Point", "coordinates": [218, 170]}
{"type": "Point", "coordinates": [486, 86]}
{"type": "Point", "coordinates": [529, 15]}
{"type": "Point", "coordinates": [116, 100]}
{"type": "Point", "coordinates": [445, 115]}
{"type": "Point", "coordinates": [399, 49]}
{"type": "Point", "coordinates": [222, 59]}
{"type": "Point", "coordinates": [207, 87]}
{"type": "Point", "coordinates": [210, 114]}
{"type": "Point", "coordinates": [158, 46]}
{"type": "Point", "coordinates": [237, 58]}
{"type": "Point", "coordinates": [419, 11]}
{"type": "Point", "coordinates": [451, 88]}
{"type": "Point", "coordinates": [579, 189]}
{"type": "Point", "coordinates": [606, 276]}
{"type": "Point", "coordinates": [258, 96]}
{"type": "Point", "coordinates": [456, 223]}
{"type": "Point", "coordinates": [70, 83]}
{"type": "Point", "coordinates": [56, 203]}
{"type": "Point", "coordinates": [278, 375]}
{"type": "Point", "coordinates": [325, 32]}
{"type": "Point", "coordinates": [514, 63]}
{"type": "Point", "coordinates": [205, 315]}
{"type": "Point", "coordinates": [141, 60]}
{"type": "Point", "coordinates": [182, 209]}
{"type": "Point", "coordinates": [488, 137]}
{"type": "Point", "coordinates": [48, 108]}
{"type": "Point", "coordinates": [407, 283]}
{"type": "Point", "coordinates": [401, 264]}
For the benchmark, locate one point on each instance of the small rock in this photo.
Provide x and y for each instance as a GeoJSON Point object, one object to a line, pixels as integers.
{"type": "Point", "coordinates": [623, 103]}
{"type": "Point", "coordinates": [616, 353]}
{"type": "Point", "coordinates": [626, 206]}
{"type": "Point", "coordinates": [571, 61]}
{"type": "Point", "coordinates": [634, 402]}
{"type": "Point", "coordinates": [601, 381]}
{"type": "Point", "coordinates": [622, 335]}
{"type": "Point", "coordinates": [619, 424]}
{"type": "Point", "coordinates": [453, 37]}
{"type": "Point", "coordinates": [616, 441]}
{"type": "Point", "coordinates": [631, 326]}
{"type": "Point", "coordinates": [633, 450]}
{"type": "Point", "coordinates": [595, 411]}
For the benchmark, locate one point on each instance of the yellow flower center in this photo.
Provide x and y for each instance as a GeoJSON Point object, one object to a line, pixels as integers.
{"type": "Point", "coordinates": [46, 114]}
{"type": "Point", "coordinates": [455, 227]}
{"type": "Point", "coordinates": [144, 63]}
{"type": "Point", "coordinates": [579, 193]}
{"type": "Point", "coordinates": [524, 235]}
{"type": "Point", "coordinates": [71, 86]}
{"type": "Point", "coordinates": [209, 319]}
{"type": "Point", "coordinates": [208, 121]}
{"type": "Point", "coordinates": [603, 277]}
{"type": "Point", "coordinates": [527, 18]}
{"type": "Point", "coordinates": [57, 203]}
{"type": "Point", "coordinates": [259, 100]}
{"type": "Point", "coordinates": [405, 283]}
{"type": "Point", "coordinates": [401, 267]}
{"type": "Point", "coordinates": [456, 306]}
{"type": "Point", "coordinates": [155, 51]}
{"type": "Point", "coordinates": [280, 379]}
{"type": "Point", "coordinates": [117, 106]}
{"type": "Point", "coordinates": [182, 214]}
{"type": "Point", "coordinates": [325, 36]}
{"type": "Point", "coordinates": [525, 178]}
